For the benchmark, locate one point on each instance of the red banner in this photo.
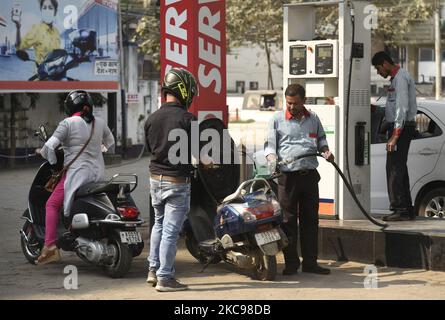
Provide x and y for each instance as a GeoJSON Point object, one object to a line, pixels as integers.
{"type": "Point", "coordinates": [193, 36]}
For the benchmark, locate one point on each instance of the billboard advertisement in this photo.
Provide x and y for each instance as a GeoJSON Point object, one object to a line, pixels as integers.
{"type": "Point", "coordinates": [59, 45]}
{"type": "Point", "coordinates": [193, 37]}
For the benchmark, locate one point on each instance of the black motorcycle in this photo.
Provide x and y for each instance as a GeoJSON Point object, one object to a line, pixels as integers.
{"type": "Point", "coordinates": [101, 228]}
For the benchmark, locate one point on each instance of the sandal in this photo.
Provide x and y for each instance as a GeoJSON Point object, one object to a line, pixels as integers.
{"type": "Point", "coordinates": [49, 254]}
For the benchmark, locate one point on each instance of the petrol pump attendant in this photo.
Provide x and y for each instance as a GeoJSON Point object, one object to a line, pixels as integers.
{"type": "Point", "coordinates": [292, 133]}
{"type": "Point", "coordinates": [400, 113]}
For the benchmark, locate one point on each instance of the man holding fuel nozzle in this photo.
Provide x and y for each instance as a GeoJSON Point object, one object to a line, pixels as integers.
{"type": "Point", "coordinates": [294, 132]}
{"type": "Point", "coordinates": [400, 113]}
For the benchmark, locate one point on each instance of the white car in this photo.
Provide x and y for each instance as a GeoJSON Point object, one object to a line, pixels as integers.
{"type": "Point", "coordinates": [426, 161]}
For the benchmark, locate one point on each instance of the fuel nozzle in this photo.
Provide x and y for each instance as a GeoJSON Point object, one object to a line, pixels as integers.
{"type": "Point", "coordinates": [351, 8]}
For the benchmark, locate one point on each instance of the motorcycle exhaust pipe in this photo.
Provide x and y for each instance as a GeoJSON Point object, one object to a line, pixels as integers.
{"type": "Point", "coordinates": [240, 260]}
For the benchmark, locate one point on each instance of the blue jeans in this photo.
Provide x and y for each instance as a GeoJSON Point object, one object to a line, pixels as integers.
{"type": "Point", "coordinates": [171, 203]}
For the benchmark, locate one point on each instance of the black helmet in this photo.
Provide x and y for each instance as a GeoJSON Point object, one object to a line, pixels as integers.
{"type": "Point", "coordinates": [75, 102]}
{"type": "Point", "coordinates": [181, 84]}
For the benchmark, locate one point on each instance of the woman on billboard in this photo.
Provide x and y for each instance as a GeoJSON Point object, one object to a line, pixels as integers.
{"type": "Point", "coordinates": [43, 37]}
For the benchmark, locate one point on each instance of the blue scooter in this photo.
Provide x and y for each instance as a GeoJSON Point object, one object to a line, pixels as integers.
{"type": "Point", "coordinates": [246, 231]}
{"type": "Point", "coordinates": [243, 229]}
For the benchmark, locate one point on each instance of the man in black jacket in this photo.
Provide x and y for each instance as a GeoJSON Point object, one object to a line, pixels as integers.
{"type": "Point", "coordinates": [170, 174]}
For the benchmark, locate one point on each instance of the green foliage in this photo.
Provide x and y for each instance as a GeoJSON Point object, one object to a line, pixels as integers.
{"type": "Point", "coordinates": [148, 36]}
{"type": "Point", "coordinates": [147, 33]}
{"type": "Point", "coordinates": [260, 22]}
{"type": "Point", "coordinates": [254, 21]}
{"type": "Point", "coordinates": [394, 17]}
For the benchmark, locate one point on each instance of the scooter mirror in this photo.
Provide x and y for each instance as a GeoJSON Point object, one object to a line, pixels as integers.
{"type": "Point", "coordinates": [43, 133]}
{"type": "Point", "coordinates": [22, 55]}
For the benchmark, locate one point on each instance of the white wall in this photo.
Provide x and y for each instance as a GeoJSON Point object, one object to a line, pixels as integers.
{"type": "Point", "coordinates": [249, 63]}
{"type": "Point", "coordinates": [137, 112]}
{"type": "Point", "coordinates": [428, 70]}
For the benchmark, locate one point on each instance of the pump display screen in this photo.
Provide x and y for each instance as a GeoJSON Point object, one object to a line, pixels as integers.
{"type": "Point", "coordinates": [324, 52]}
{"type": "Point", "coordinates": [297, 63]}
{"type": "Point", "coordinates": [298, 53]}
{"type": "Point", "coordinates": [324, 59]}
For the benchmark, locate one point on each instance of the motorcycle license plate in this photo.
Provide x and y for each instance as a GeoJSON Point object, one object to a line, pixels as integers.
{"type": "Point", "coordinates": [267, 237]}
{"type": "Point", "coordinates": [130, 237]}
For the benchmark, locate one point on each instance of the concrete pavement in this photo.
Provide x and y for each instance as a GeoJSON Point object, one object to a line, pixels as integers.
{"type": "Point", "coordinates": [21, 280]}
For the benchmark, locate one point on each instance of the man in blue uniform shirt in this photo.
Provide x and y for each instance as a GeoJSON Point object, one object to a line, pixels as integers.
{"type": "Point", "coordinates": [295, 132]}
{"type": "Point", "coordinates": [400, 113]}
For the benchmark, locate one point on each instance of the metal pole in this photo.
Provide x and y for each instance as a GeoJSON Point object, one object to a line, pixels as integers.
{"type": "Point", "coordinates": [12, 124]}
{"type": "Point", "coordinates": [122, 83]}
{"type": "Point", "coordinates": [438, 51]}
{"type": "Point", "coordinates": [112, 113]}
{"type": "Point", "coordinates": [243, 171]}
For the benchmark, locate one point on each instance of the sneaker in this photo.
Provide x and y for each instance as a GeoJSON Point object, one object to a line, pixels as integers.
{"type": "Point", "coordinates": [316, 269]}
{"type": "Point", "coordinates": [151, 278]}
{"type": "Point", "coordinates": [170, 285]}
{"type": "Point", "coordinates": [49, 254]}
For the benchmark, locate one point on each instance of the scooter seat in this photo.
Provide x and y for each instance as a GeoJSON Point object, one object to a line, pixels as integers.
{"type": "Point", "coordinates": [98, 187]}
{"type": "Point", "coordinates": [234, 197]}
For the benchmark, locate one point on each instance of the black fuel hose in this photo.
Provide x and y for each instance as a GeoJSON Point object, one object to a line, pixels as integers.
{"type": "Point", "coordinates": [354, 196]}
{"type": "Point", "coordinates": [343, 177]}
{"type": "Point", "coordinates": [348, 186]}
{"type": "Point", "coordinates": [348, 97]}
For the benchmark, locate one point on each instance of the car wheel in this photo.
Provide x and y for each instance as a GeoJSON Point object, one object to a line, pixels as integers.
{"type": "Point", "coordinates": [432, 203]}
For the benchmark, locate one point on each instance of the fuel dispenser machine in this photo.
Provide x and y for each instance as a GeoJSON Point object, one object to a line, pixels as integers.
{"type": "Point", "coordinates": [338, 91]}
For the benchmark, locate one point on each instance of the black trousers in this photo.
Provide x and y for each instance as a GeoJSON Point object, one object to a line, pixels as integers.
{"type": "Point", "coordinates": [397, 178]}
{"type": "Point", "coordinates": [299, 199]}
